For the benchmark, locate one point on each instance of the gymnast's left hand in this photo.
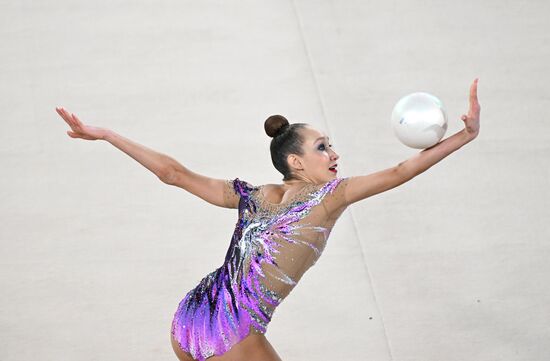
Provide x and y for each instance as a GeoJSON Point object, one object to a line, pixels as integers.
{"type": "Point", "coordinates": [79, 129]}
{"type": "Point", "coordinates": [471, 120]}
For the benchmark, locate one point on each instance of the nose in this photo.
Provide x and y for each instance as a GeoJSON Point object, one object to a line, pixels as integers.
{"type": "Point", "coordinates": [334, 155]}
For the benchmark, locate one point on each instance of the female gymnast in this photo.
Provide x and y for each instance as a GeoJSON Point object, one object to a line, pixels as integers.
{"type": "Point", "coordinates": [280, 233]}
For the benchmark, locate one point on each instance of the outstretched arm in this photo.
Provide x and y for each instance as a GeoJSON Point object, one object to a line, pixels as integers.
{"type": "Point", "coordinates": [215, 191]}
{"type": "Point", "coordinates": [361, 187]}
{"type": "Point", "coordinates": [167, 169]}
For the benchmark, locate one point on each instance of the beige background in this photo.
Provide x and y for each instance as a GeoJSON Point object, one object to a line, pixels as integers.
{"type": "Point", "coordinates": [96, 252]}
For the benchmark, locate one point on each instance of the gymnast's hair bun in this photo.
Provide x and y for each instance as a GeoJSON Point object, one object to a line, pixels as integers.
{"type": "Point", "coordinates": [275, 124]}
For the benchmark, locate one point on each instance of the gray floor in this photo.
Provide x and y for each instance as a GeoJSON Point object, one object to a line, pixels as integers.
{"type": "Point", "coordinates": [96, 252]}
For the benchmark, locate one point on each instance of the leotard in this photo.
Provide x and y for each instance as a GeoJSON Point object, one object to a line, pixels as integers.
{"type": "Point", "coordinates": [272, 246]}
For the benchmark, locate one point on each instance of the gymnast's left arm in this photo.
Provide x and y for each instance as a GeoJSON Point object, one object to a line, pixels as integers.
{"type": "Point", "coordinates": [361, 187]}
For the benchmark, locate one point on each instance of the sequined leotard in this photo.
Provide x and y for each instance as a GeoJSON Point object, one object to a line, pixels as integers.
{"type": "Point", "coordinates": [271, 248]}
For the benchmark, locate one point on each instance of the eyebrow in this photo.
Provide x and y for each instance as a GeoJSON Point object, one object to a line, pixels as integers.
{"type": "Point", "coordinates": [320, 138]}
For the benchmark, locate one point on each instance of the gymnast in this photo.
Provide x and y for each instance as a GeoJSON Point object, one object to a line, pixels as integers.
{"type": "Point", "coordinates": [280, 233]}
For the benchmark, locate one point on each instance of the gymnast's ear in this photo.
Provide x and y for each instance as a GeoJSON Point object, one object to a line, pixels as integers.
{"type": "Point", "coordinates": [294, 162]}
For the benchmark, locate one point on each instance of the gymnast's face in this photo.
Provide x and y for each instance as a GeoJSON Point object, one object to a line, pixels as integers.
{"type": "Point", "coordinates": [318, 156]}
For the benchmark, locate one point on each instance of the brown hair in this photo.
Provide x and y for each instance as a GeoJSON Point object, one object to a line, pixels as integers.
{"type": "Point", "coordinates": [286, 140]}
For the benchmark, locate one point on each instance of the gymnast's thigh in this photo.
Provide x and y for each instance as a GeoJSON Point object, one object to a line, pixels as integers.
{"type": "Point", "coordinates": [254, 347]}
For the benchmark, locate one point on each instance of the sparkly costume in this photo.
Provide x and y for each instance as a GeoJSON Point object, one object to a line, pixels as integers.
{"type": "Point", "coordinates": [271, 248]}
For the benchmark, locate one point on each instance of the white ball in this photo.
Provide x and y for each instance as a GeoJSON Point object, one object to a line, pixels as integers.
{"type": "Point", "coordinates": [419, 120]}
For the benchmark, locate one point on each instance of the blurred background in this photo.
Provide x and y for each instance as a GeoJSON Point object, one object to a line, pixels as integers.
{"type": "Point", "coordinates": [96, 252]}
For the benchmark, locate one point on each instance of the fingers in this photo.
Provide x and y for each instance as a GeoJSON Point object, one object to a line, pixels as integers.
{"type": "Point", "coordinates": [63, 113]}
{"type": "Point", "coordinates": [76, 120]}
{"type": "Point", "coordinates": [473, 92]}
{"type": "Point", "coordinates": [70, 119]}
{"type": "Point", "coordinates": [473, 89]}
{"type": "Point", "coordinates": [474, 103]}
{"type": "Point", "coordinates": [60, 112]}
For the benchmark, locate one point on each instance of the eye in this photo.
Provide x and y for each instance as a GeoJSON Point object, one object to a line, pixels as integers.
{"type": "Point", "coordinates": [321, 147]}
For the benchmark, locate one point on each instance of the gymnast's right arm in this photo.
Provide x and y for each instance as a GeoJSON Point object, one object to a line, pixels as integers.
{"type": "Point", "coordinates": [167, 169]}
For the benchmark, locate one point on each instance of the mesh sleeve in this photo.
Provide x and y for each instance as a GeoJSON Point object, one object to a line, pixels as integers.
{"type": "Point", "coordinates": [336, 202]}
{"type": "Point", "coordinates": [234, 189]}
{"type": "Point", "coordinates": [230, 196]}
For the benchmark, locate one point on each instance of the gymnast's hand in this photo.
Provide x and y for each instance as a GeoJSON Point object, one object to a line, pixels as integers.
{"type": "Point", "coordinates": [471, 121]}
{"type": "Point", "coordinates": [79, 129]}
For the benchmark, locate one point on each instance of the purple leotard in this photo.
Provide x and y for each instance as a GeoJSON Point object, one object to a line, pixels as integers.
{"type": "Point", "coordinates": [271, 248]}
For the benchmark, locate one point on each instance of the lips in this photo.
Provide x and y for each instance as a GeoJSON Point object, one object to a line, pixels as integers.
{"type": "Point", "coordinates": [333, 168]}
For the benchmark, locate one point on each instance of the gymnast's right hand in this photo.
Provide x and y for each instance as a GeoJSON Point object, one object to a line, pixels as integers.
{"type": "Point", "coordinates": [79, 129]}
